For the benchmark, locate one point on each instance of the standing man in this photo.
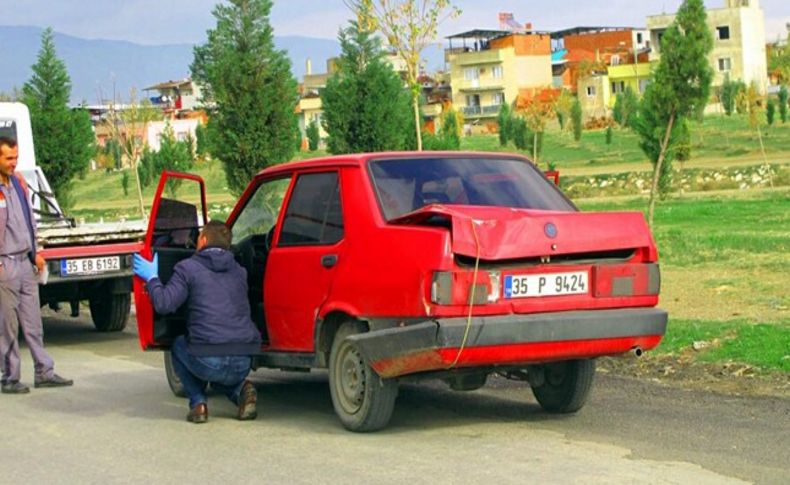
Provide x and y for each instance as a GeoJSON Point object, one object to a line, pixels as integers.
{"type": "Point", "coordinates": [19, 265]}
{"type": "Point", "coordinates": [221, 336]}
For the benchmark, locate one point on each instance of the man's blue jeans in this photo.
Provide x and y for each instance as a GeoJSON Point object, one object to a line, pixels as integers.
{"type": "Point", "coordinates": [226, 374]}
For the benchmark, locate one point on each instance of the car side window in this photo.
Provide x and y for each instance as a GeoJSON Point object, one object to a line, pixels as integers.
{"type": "Point", "coordinates": [314, 214]}
{"type": "Point", "coordinates": [260, 213]}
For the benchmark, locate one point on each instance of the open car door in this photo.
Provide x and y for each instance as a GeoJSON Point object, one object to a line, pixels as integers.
{"type": "Point", "coordinates": [177, 214]}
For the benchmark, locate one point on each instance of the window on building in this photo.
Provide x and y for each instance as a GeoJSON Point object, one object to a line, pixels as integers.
{"type": "Point", "coordinates": [618, 87]}
{"type": "Point", "coordinates": [498, 72]}
{"type": "Point", "coordinates": [725, 64]}
{"type": "Point", "coordinates": [723, 32]}
{"type": "Point", "coordinates": [590, 91]}
{"type": "Point", "coordinates": [499, 98]}
{"type": "Point", "coordinates": [639, 38]}
{"type": "Point", "coordinates": [615, 60]}
{"type": "Point", "coordinates": [471, 74]}
{"type": "Point", "coordinates": [473, 100]}
{"type": "Point", "coordinates": [643, 85]}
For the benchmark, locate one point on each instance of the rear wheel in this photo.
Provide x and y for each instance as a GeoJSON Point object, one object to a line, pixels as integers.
{"type": "Point", "coordinates": [362, 400]}
{"type": "Point", "coordinates": [172, 378]}
{"type": "Point", "coordinates": [565, 386]}
{"type": "Point", "coordinates": [110, 312]}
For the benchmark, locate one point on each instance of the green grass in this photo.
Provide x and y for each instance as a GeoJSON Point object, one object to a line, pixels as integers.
{"type": "Point", "coordinates": [718, 137]}
{"type": "Point", "coordinates": [764, 345]}
{"type": "Point", "coordinates": [699, 230]}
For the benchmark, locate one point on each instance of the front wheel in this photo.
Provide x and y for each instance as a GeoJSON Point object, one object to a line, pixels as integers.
{"type": "Point", "coordinates": [565, 386]}
{"type": "Point", "coordinates": [362, 399]}
{"type": "Point", "coordinates": [110, 312]}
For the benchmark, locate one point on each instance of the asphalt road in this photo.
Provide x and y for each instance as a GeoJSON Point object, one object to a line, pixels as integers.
{"type": "Point", "coordinates": [121, 424]}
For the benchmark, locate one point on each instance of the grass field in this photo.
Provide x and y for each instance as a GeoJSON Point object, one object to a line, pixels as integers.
{"type": "Point", "coordinates": [724, 254]}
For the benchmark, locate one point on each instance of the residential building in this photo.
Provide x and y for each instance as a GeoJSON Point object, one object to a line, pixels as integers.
{"type": "Point", "coordinates": [493, 67]}
{"type": "Point", "coordinates": [739, 41]}
{"type": "Point", "coordinates": [309, 107]}
{"type": "Point", "coordinates": [175, 97]}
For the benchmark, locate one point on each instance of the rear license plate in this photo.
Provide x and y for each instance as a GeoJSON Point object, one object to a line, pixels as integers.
{"type": "Point", "coordinates": [72, 267]}
{"type": "Point", "coordinates": [548, 284]}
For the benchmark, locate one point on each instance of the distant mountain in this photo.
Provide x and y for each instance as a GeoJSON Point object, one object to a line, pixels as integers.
{"type": "Point", "coordinates": [99, 67]}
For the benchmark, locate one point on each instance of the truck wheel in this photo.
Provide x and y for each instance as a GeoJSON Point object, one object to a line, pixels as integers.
{"type": "Point", "coordinates": [172, 378]}
{"type": "Point", "coordinates": [110, 312]}
{"type": "Point", "coordinates": [362, 400]}
{"type": "Point", "coordinates": [566, 385]}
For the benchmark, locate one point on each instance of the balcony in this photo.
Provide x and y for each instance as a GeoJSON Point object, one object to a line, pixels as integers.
{"type": "Point", "coordinates": [491, 56]}
{"type": "Point", "coordinates": [481, 111]}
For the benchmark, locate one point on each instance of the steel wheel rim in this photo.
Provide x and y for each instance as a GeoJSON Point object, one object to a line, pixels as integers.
{"type": "Point", "coordinates": [350, 386]}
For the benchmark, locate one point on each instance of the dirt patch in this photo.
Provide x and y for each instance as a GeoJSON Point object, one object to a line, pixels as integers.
{"type": "Point", "coordinates": [683, 371]}
{"type": "Point", "coordinates": [721, 293]}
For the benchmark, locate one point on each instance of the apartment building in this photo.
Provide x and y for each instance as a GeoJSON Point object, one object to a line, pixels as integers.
{"type": "Point", "coordinates": [175, 96]}
{"type": "Point", "coordinates": [739, 41]}
{"type": "Point", "coordinates": [489, 68]}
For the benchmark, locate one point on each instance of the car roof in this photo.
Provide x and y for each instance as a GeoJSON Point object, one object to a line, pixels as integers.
{"type": "Point", "coordinates": [359, 160]}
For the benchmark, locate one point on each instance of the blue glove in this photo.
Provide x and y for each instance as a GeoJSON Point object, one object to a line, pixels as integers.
{"type": "Point", "coordinates": [145, 269]}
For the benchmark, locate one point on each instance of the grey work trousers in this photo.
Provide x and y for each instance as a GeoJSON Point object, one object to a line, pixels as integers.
{"type": "Point", "coordinates": [19, 307]}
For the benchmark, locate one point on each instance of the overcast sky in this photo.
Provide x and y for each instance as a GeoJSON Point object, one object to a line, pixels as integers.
{"type": "Point", "coordinates": [186, 21]}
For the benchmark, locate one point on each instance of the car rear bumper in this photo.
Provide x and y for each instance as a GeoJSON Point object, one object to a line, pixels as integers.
{"type": "Point", "coordinates": [510, 340]}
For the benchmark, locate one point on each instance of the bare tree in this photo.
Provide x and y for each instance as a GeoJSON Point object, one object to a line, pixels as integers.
{"type": "Point", "coordinates": [128, 125]}
{"type": "Point", "coordinates": [409, 26]}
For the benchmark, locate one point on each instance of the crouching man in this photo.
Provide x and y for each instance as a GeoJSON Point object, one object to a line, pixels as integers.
{"type": "Point", "coordinates": [220, 333]}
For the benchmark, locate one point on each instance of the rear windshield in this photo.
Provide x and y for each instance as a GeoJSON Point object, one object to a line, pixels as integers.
{"type": "Point", "coordinates": [7, 129]}
{"type": "Point", "coordinates": [404, 185]}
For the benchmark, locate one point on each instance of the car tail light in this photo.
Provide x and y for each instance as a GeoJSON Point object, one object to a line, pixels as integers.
{"type": "Point", "coordinates": [626, 280]}
{"type": "Point", "coordinates": [462, 288]}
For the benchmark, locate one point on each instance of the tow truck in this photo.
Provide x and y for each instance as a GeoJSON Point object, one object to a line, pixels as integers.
{"type": "Point", "coordinates": [84, 261]}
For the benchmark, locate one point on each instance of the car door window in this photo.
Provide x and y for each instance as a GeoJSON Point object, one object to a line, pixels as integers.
{"type": "Point", "coordinates": [314, 214]}
{"type": "Point", "coordinates": [261, 210]}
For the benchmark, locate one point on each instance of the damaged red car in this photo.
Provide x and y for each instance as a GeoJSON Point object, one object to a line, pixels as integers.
{"type": "Point", "coordinates": [404, 266]}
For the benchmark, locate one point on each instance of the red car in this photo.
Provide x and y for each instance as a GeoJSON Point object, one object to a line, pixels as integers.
{"type": "Point", "coordinates": [454, 266]}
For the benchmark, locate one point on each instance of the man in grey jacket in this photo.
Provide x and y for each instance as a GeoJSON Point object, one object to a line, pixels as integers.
{"type": "Point", "coordinates": [19, 263]}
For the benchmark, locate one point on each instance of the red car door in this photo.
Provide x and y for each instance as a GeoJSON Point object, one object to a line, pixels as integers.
{"type": "Point", "coordinates": [177, 214]}
{"type": "Point", "coordinates": [306, 251]}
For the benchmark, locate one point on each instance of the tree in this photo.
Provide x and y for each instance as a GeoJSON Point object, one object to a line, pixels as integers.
{"type": "Point", "coordinates": [202, 142]}
{"type": "Point", "coordinates": [754, 101]}
{"type": "Point", "coordinates": [679, 89]}
{"type": "Point", "coordinates": [127, 127]}
{"type": "Point", "coordinates": [252, 123]}
{"type": "Point", "coordinates": [64, 141]}
{"type": "Point", "coordinates": [125, 183]}
{"type": "Point", "coordinates": [505, 122]}
{"type": "Point", "coordinates": [409, 26]}
{"type": "Point", "coordinates": [563, 107]}
{"type": "Point", "coordinates": [521, 134]}
{"type": "Point", "coordinates": [576, 119]}
{"type": "Point", "coordinates": [609, 134]}
{"type": "Point", "coordinates": [537, 115]}
{"type": "Point", "coordinates": [451, 128]}
{"type": "Point", "coordinates": [625, 107]}
{"type": "Point", "coordinates": [770, 112]}
{"type": "Point", "coordinates": [313, 135]}
{"type": "Point", "coordinates": [365, 106]}
{"type": "Point", "coordinates": [783, 103]}
{"type": "Point", "coordinates": [173, 155]}
{"type": "Point", "coordinates": [728, 94]}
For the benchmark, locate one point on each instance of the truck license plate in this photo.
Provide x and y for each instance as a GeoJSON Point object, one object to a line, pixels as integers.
{"type": "Point", "coordinates": [72, 267]}
{"type": "Point", "coordinates": [548, 284]}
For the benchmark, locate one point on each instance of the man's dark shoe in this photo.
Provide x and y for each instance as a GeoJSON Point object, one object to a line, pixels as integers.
{"type": "Point", "coordinates": [248, 400]}
{"type": "Point", "coordinates": [198, 414]}
{"type": "Point", "coordinates": [14, 387]}
{"type": "Point", "coordinates": [54, 381]}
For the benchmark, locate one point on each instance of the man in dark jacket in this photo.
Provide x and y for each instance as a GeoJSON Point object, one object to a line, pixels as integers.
{"type": "Point", "coordinates": [220, 333]}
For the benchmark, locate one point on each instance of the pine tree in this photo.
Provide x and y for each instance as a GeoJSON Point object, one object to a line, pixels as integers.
{"type": "Point", "coordinates": [505, 121]}
{"type": "Point", "coordinates": [783, 104]}
{"type": "Point", "coordinates": [63, 138]}
{"type": "Point", "coordinates": [625, 107]}
{"type": "Point", "coordinates": [770, 112]}
{"type": "Point", "coordinates": [679, 89]}
{"type": "Point", "coordinates": [366, 108]}
{"type": "Point", "coordinates": [313, 135]}
{"type": "Point", "coordinates": [253, 90]}
{"type": "Point", "coordinates": [576, 119]}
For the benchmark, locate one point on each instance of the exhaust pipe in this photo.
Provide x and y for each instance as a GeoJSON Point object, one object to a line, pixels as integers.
{"type": "Point", "coordinates": [637, 351]}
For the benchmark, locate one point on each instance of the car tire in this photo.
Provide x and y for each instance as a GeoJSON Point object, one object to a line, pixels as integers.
{"type": "Point", "coordinates": [362, 399]}
{"type": "Point", "coordinates": [172, 378]}
{"type": "Point", "coordinates": [110, 312]}
{"type": "Point", "coordinates": [565, 386]}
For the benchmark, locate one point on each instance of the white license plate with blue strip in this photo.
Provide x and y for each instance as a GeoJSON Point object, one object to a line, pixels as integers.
{"type": "Point", "coordinates": [546, 284]}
